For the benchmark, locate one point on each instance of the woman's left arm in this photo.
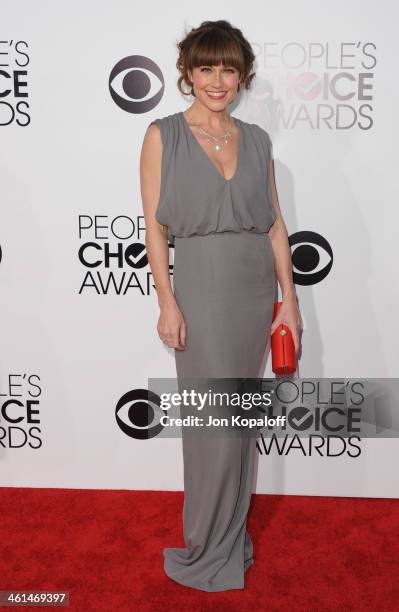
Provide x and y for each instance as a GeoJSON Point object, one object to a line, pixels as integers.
{"type": "Point", "coordinates": [288, 313]}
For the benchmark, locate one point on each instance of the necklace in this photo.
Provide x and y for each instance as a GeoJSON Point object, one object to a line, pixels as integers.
{"type": "Point", "coordinates": [209, 137]}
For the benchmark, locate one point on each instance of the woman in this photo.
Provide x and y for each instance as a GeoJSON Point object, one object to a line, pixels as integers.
{"type": "Point", "coordinates": [208, 187]}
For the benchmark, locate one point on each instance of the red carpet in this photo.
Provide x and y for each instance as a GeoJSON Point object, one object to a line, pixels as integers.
{"type": "Point", "coordinates": [105, 548]}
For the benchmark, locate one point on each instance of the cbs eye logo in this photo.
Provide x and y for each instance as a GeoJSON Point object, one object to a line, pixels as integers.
{"type": "Point", "coordinates": [312, 258]}
{"type": "Point", "coordinates": [137, 414]}
{"type": "Point", "coordinates": [136, 84]}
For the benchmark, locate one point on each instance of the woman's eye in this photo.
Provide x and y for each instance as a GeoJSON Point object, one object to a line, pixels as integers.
{"type": "Point", "coordinates": [206, 68]}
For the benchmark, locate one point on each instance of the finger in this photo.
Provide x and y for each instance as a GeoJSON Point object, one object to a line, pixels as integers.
{"type": "Point", "coordinates": [166, 339]}
{"type": "Point", "coordinates": [177, 343]}
{"type": "Point", "coordinates": [276, 323]}
{"type": "Point", "coordinates": [183, 335]}
{"type": "Point", "coordinates": [296, 342]}
{"type": "Point", "coordinates": [294, 336]}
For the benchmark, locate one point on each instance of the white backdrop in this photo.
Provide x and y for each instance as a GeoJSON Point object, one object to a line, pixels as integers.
{"type": "Point", "coordinates": [78, 328]}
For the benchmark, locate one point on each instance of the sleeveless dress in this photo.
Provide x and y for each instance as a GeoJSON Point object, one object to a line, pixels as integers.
{"type": "Point", "coordinates": [225, 284]}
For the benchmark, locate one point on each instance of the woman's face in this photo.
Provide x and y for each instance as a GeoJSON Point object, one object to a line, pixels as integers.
{"type": "Point", "coordinates": [220, 80]}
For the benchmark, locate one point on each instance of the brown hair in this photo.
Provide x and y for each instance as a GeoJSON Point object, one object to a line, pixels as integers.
{"type": "Point", "coordinates": [211, 44]}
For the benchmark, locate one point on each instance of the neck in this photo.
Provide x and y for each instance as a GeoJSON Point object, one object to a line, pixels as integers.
{"type": "Point", "coordinates": [200, 115]}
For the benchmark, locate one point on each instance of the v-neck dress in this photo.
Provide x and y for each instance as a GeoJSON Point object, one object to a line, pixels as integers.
{"type": "Point", "coordinates": [225, 284]}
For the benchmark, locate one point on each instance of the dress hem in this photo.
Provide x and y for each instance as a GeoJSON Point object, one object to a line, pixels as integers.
{"type": "Point", "coordinates": [214, 587]}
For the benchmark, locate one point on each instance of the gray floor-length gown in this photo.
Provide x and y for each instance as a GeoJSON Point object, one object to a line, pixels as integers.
{"type": "Point", "coordinates": [225, 285]}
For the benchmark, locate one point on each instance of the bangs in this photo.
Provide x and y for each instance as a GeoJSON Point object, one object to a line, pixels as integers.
{"type": "Point", "coordinates": [216, 47]}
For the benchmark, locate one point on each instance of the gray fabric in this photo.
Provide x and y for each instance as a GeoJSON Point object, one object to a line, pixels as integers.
{"type": "Point", "coordinates": [196, 199]}
{"type": "Point", "coordinates": [225, 284]}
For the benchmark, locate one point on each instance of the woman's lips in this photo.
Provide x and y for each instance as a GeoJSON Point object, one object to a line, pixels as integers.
{"type": "Point", "coordinates": [216, 96]}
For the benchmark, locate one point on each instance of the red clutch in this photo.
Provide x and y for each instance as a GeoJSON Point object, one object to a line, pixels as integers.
{"type": "Point", "coordinates": [283, 349]}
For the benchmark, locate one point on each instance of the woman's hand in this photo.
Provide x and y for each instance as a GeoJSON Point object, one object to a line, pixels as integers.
{"type": "Point", "coordinates": [290, 316]}
{"type": "Point", "coordinates": [172, 326]}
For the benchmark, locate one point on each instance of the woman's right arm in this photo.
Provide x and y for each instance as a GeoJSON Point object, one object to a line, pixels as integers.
{"type": "Point", "coordinates": [171, 325]}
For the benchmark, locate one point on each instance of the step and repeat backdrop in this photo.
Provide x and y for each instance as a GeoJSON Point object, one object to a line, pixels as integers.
{"type": "Point", "coordinates": [79, 84]}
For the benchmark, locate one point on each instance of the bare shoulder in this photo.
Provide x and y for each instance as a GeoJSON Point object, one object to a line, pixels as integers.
{"type": "Point", "coordinates": [153, 133]}
{"type": "Point", "coordinates": [151, 148]}
{"type": "Point", "coordinates": [158, 130]}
